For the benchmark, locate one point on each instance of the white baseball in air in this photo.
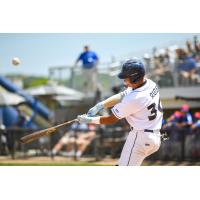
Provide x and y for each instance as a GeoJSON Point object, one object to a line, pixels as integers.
{"type": "Point", "coordinates": [16, 61]}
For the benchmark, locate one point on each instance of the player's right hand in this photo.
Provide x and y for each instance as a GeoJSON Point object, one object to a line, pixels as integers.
{"type": "Point", "coordinates": [94, 110]}
{"type": "Point", "coordinates": [84, 119]}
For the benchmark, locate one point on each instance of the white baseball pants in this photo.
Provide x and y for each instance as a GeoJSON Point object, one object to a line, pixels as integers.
{"type": "Point", "coordinates": [138, 146]}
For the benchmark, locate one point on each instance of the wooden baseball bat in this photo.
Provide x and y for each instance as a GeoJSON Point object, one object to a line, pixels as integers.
{"type": "Point", "coordinates": [34, 136]}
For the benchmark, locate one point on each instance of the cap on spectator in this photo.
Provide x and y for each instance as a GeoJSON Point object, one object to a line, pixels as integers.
{"type": "Point", "coordinates": [184, 108]}
{"type": "Point", "coordinates": [177, 114]}
{"type": "Point", "coordinates": [197, 115]}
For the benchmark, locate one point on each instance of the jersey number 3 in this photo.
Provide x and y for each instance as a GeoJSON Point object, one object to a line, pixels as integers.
{"type": "Point", "coordinates": [153, 110]}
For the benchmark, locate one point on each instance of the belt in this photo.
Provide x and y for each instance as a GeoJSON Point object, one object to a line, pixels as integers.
{"type": "Point", "coordinates": [145, 130]}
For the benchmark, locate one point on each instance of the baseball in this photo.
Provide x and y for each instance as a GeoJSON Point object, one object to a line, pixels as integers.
{"type": "Point", "coordinates": [16, 61]}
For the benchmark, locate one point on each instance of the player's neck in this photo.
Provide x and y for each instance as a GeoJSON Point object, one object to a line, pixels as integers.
{"type": "Point", "coordinates": [138, 85]}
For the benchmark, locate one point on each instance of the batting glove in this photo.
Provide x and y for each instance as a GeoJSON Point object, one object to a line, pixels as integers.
{"type": "Point", "coordinates": [87, 120]}
{"type": "Point", "coordinates": [94, 110]}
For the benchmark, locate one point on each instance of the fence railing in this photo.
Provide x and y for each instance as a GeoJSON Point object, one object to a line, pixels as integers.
{"type": "Point", "coordinates": [107, 76]}
{"type": "Point", "coordinates": [183, 144]}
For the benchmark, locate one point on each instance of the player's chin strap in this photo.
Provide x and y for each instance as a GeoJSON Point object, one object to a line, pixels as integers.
{"type": "Point", "coordinates": [164, 135]}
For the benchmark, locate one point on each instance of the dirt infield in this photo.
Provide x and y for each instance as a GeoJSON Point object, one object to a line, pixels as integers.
{"type": "Point", "coordinates": [63, 161]}
{"type": "Point", "coordinates": [57, 161]}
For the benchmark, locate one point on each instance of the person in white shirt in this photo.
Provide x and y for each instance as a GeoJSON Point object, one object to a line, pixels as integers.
{"type": "Point", "coordinates": [140, 105]}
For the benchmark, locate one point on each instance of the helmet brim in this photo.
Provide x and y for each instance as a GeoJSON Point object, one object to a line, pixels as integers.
{"type": "Point", "coordinates": [121, 75]}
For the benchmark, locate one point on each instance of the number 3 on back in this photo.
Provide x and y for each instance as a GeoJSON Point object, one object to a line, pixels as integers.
{"type": "Point", "coordinates": [153, 110]}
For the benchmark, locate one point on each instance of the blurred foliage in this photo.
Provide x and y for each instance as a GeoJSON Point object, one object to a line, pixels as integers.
{"type": "Point", "coordinates": [29, 81]}
{"type": "Point", "coordinates": [104, 81]}
{"type": "Point", "coordinates": [35, 81]}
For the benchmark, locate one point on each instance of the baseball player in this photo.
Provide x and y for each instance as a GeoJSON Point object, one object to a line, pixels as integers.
{"type": "Point", "coordinates": [140, 105]}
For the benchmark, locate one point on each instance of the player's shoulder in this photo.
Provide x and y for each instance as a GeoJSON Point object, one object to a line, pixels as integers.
{"type": "Point", "coordinates": [151, 82]}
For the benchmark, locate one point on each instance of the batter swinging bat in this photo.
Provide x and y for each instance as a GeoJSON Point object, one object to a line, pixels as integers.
{"type": "Point", "coordinates": [45, 132]}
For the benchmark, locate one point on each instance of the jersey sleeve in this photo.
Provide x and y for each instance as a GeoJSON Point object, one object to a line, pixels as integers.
{"type": "Point", "coordinates": [126, 107]}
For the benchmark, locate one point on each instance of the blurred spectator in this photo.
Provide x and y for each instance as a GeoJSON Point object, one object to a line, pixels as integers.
{"type": "Point", "coordinates": [76, 140]}
{"type": "Point", "coordinates": [196, 123]}
{"type": "Point", "coordinates": [196, 45]}
{"type": "Point", "coordinates": [184, 124]}
{"type": "Point", "coordinates": [163, 68]}
{"type": "Point", "coordinates": [22, 119]}
{"type": "Point", "coordinates": [195, 138]}
{"type": "Point", "coordinates": [185, 119]}
{"type": "Point", "coordinates": [190, 49]}
{"type": "Point", "coordinates": [3, 139]}
{"type": "Point", "coordinates": [147, 62]}
{"type": "Point", "coordinates": [186, 66]}
{"type": "Point", "coordinates": [172, 120]}
{"type": "Point", "coordinates": [158, 69]}
{"type": "Point", "coordinates": [175, 66]}
{"type": "Point", "coordinates": [197, 75]}
{"type": "Point", "coordinates": [89, 61]}
{"type": "Point", "coordinates": [181, 140]}
{"type": "Point", "coordinates": [168, 68]}
{"type": "Point", "coordinates": [98, 94]}
{"type": "Point", "coordinates": [171, 149]}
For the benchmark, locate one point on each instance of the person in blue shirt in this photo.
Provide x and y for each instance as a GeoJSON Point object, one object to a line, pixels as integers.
{"type": "Point", "coordinates": [186, 118]}
{"type": "Point", "coordinates": [196, 124]}
{"type": "Point", "coordinates": [89, 61]}
{"type": "Point", "coordinates": [186, 66]}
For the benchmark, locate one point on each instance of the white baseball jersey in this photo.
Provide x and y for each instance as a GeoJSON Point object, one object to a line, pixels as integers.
{"type": "Point", "coordinates": [141, 107]}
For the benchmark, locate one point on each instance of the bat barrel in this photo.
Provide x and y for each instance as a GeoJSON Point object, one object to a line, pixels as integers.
{"type": "Point", "coordinates": [45, 132]}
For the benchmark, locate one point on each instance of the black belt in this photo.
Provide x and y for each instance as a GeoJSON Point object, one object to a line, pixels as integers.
{"type": "Point", "coordinates": [145, 130]}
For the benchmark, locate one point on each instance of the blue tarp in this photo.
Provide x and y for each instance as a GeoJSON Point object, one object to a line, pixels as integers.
{"type": "Point", "coordinates": [10, 118]}
{"type": "Point", "coordinates": [31, 101]}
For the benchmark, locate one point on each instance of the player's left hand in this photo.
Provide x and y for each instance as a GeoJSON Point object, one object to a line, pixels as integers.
{"type": "Point", "coordinates": [94, 110]}
{"type": "Point", "coordinates": [84, 119]}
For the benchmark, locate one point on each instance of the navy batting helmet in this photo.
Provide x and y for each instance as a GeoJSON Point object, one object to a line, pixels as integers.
{"type": "Point", "coordinates": [133, 69]}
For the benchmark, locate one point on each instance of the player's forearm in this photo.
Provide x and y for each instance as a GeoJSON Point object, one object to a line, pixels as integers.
{"type": "Point", "coordinates": [108, 119]}
{"type": "Point", "coordinates": [113, 100]}
{"type": "Point", "coordinates": [98, 120]}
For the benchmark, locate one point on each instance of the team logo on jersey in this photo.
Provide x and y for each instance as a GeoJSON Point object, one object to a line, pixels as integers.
{"type": "Point", "coordinates": [117, 111]}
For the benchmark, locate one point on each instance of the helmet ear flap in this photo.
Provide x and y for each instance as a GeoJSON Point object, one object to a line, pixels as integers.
{"type": "Point", "coordinates": [135, 78]}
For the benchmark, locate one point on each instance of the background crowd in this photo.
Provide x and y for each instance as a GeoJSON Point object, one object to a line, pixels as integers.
{"type": "Point", "coordinates": [183, 129]}
{"type": "Point", "coordinates": [175, 66]}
